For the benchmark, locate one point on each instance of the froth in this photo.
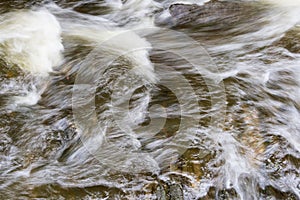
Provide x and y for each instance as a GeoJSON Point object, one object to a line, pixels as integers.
{"type": "Point", "coordinates": [31, 40]}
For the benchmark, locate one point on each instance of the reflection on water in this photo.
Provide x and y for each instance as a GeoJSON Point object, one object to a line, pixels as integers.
{"type": "Point", "coordinates": [132, 100]}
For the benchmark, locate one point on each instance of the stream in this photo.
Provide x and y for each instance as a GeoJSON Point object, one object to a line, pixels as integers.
{"type": "Point", "coordinates": [150, 99]}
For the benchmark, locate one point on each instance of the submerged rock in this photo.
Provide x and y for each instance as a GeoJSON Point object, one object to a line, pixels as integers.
{"type": "Point", "coordinates": [9, 71]}
{"type": "Point", "coordinates": [291, 40]}
{"type": "Point", "coordinates": [169, 191]}
{"type": "Point", "coordinates": [213, 15]}
{"type": "Point", "coordinates": [12, 5]}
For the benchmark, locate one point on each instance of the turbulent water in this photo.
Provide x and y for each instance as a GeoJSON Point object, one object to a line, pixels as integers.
{"type": "Point", "coordinates": [144, 99]}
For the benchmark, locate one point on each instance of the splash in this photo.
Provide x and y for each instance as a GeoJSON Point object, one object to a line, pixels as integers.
{"type": "Point", "coordinates": [31, 40]}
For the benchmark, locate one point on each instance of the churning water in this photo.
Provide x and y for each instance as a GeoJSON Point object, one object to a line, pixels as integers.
{"type": "Point", "coordinates": [144, 99]}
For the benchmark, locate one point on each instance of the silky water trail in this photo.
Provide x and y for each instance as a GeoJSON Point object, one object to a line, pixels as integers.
{"type": "Point", "coordinates": [114, 100]}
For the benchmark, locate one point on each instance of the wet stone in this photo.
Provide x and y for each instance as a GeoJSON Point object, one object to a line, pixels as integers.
{"type": "Point", "coordinates": [273, 193]}
{"type": "Point", "coordinates": [291, 40]}
{"type": "Point", "coordinates": [8, 5]}
{"type": "Point", "coordinates": [169, 191]}
{"type": "Point", "coordinates": [9, 71]}
{"type": "Point", "coordinates": [221, 194]}
{"type": "Point", "coordinates": [176, 192]}
{"type": "Point", "coordinates": [213, 15]}
{"type": "Point", "coordinates": [161, 193]}
{"type": "Point", "coordinates": [94, 7]}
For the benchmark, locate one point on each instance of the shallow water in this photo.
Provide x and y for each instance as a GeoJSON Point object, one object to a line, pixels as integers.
{"type": "Point", "coordinates": [114, 100]}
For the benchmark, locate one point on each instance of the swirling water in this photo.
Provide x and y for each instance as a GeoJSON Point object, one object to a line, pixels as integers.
{"type": "Point", "coordinates": [112, 100]}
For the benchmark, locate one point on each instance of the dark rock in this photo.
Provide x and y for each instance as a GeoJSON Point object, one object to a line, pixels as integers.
{"type": "Point", "coordinates": [169, 191]}
{"type": "Point", "coordinates": [94, 7]}
{"type": "Point", "coordinates": [213, 15]}
{"type": "Point", "coordinates": [222, 194]}
{"type": "Point", "coordinates": [161, 193]}
{"type": "Point", "coordinates": [10, 5]}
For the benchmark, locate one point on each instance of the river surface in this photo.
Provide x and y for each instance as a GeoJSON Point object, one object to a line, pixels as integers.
{"type": "Point", "coordinates": [128, 99]}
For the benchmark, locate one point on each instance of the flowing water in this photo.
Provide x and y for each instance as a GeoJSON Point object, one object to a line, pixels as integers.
{"type": "Point", "coordinates": [116, 99]}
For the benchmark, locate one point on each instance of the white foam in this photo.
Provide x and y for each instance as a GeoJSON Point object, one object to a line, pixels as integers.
{"type": "Point", "coordinates": [121, 42]}
{"type": "Point", "coordinates": [115, 4]}
{"type": "Point", "coordinates": [31, 40]}
{"type": "Point", "coordinates": [31, 98]}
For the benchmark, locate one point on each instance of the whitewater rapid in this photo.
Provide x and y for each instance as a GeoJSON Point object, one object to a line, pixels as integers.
{"type": "Point", "coordinates": [31, 40]}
